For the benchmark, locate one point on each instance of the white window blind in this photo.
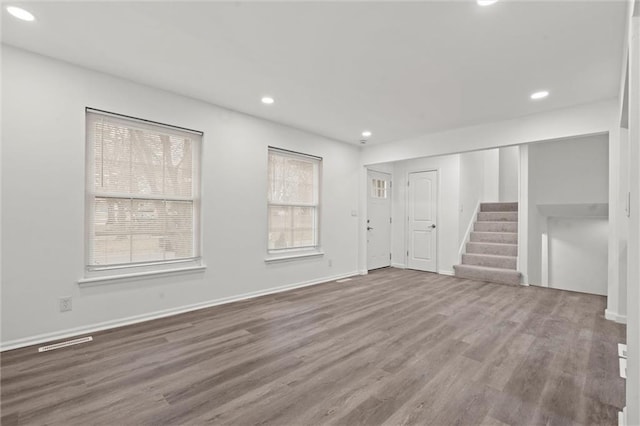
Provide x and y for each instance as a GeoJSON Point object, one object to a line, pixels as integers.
{"type": "Point", "coordinates": [293, 200]}
{"type": "Point", "coordinates": [143, 192]}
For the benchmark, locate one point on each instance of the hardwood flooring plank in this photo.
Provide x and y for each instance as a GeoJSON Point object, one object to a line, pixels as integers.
{"type": "Point", "coordinates": [427, 404]}
{"type": "Point", "coordinates": [392, 347]}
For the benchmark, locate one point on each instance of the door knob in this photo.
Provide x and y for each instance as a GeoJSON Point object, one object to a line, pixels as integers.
{"type": "Point", "coordinates": [369, 228]}
{"type": "Point", "coordinates": [433, 226]}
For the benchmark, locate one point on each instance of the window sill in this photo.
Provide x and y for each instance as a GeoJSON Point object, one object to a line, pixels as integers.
{"type": "Point", "coordinates": [89, 281]}
{"type": "Point", "coordinates": [292, 256]}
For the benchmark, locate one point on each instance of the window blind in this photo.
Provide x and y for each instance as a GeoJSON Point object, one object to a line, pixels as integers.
{"type": "Point", "coordinates": [143, 192]}
{"type": "Point", "coordinates": [293, 200]}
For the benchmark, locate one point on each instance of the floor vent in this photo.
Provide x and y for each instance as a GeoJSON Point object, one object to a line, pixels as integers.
{"type": "Point", "coordinates": [344, 280]}
{"type": "Point", "coordinates": [65, 344]}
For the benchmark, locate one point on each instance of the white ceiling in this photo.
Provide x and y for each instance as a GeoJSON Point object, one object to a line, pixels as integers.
{"type": "Point", "coordinates": [336, 68]}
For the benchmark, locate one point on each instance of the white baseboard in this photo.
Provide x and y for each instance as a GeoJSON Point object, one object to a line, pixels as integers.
{"type": "Point", "coordinates": [73, 332]}
{"type": "Point", "coordinates": [441, 272]}
{"type": "Point", "coordinates": [614, 316]}
{"type": "Point", "coordinates": [622, 417]}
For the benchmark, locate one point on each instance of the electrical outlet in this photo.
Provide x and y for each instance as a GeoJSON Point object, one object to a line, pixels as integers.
{"type": "Point", "coordinates": [330, 263]}
{"type": "Point", "coordinates": [65, 304]}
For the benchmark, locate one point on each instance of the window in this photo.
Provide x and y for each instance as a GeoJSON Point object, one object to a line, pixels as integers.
{"type": "Point", "coordinates": [293, 201]}
{"type": "Point", "coordinates": [379, 188]}
{"type": "Point", "coordinates": [143, 193]}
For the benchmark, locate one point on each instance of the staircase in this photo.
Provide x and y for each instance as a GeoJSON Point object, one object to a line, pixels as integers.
{"type": "Point", "coordinates": [492, 251]}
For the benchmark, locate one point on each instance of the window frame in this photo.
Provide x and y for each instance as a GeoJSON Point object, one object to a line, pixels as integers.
{"type": "Point", "coordinates": [96, 273]}
{"type": "Point", "coordinates": [293, 253]}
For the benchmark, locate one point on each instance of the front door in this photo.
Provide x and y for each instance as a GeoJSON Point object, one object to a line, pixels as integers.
{"type": "Point", "coordinates": [423, 233]}
{"type": "Point", "coordinates": [378, 220]}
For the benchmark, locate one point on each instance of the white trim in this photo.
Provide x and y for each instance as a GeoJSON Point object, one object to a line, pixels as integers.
{"type": "Point", "coordinates": [622, 350]}
{"type": "Point", "coordinates": [96, 280]}
{"type": "Point", "coordinates": [523, 215]}
{"type": "Point", "coordinates": [292, 256]}
{"type": "Point", "coordinates": [622, 362]}
{"type": "Point", "coordinates": [614, 316]}
{"type": "Point", "coordinates": [444, 272]}
{"type": "Point", "coordinates": [545, 246]}
{"type": "Point", "coordinates": [622, 417]}
{"type": "Point", "coordinates": [614, 222]}
{"type": "Point", "coordinates": [399, 265]}
{"type": "Point", "coordinates": [467, 234]}
{"type": "Point", "coordinates": [93, 328]}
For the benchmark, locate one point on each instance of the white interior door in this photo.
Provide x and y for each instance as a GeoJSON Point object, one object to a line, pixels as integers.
{"type": "Point", "coordinates": [422, 227]}
{"type": "Point", "coordinates": [378, 220]}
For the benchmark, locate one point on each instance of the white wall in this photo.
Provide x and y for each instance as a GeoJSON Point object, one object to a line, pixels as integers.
{"type": "Point", "coordinates": [567, 172]}
{"type": "Point", "coordinates": [448, 168]}
{"type": "Point", "coordinates": [619, 225]}
{"type": "Point", "coordinates": [43, 197]}
{"type": "Point", "coordinates": [578, 254]}
{"type": "Point", "coordinates": [472, 188]}
{"type": "Point", "coordinates": [623, 222]}
{"type": "Point", "coordinates": [570, 122]}
{"type": "Point", "coordinates": [563, 123]}
{"type": "Point", "coordinates": [509, 161]}
{"type": "Point", "coordinates": [477, 181]}
{"type": "Point", "coordinates": [491, 176]}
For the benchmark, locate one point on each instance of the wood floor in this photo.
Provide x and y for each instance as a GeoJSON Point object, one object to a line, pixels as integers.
{"type": "Point", "coordinates": [393, 347]}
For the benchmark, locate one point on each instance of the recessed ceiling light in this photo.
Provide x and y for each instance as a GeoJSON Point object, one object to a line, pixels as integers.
{"type": "Point", "coordinates": [268, 100]}
{"type": "Point", "coordinates": [486, 2]}
{"type": "Point", "coordinates": [21, 13]}
{"type": "Point", "coordinates": [366, 134]}
{"type": "Point", "coordinates": [540, 95]}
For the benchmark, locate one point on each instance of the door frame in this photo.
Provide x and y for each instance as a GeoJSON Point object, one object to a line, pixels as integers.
{"type": "Point", "coordinates": [367, 188]}
{"type": "Point", "coordinates": [406, 211]}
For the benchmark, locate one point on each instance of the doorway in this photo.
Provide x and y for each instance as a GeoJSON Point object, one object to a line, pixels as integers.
{"type": "Point", "coordinates": [422, 239]}
{"type": "Point", "coordinates": [378, 220]}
